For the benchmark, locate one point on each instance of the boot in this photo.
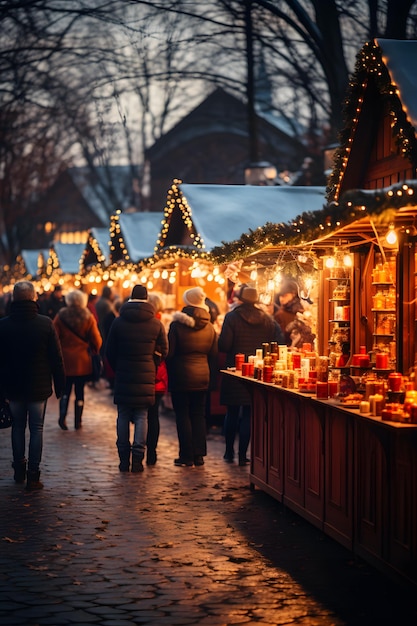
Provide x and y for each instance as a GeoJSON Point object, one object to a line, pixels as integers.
{"type": "Point", "coordinates": [19, 472]}
{"type": "Point", "coordinates": [63, 408]}
{"type": "Point", "coordinates": [137, 464]}
{"type": "Point", "coordinates": [33, 483]}
{"type": "Point", "coordinates": [78, 411]}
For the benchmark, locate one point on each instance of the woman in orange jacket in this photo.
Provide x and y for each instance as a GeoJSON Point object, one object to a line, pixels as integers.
{"type": "Point", "coordinates": [78, 333]}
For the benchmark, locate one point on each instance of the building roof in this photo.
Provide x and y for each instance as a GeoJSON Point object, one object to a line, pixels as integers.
{"type": "Point", "coordinates": [69, 256]}
{"type": "Point", "coordinates": [137, 232]}
{"type": "Point", "coordinates": [387, 68]}
{"type": "Point", "coordinates": [216, 214]}
{"type": "Point", "coordinates": [101, 237]}
{"type": "Point", "coordinates": [400, 59]}
{"type": "Point", "coordinates": [32, 259]}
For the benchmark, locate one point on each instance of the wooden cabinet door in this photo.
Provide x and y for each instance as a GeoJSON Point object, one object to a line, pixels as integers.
{"type": "Point", "coordinates": [314, 420]}
{"type": "Point", "coordinates": [275, 443]}
{"type": "Point", "coordinates": [403, 505]}
{"type": "Point", "coordinates": [258, 471]}
{"type": "Point", "coordinates": [372, 489]}
{"type": "Point", "coordinates": [338, 462]}
{"type": "Point", "coordinates": [293, 453]}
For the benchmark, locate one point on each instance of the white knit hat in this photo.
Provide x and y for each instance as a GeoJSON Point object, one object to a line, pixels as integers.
{"type": "Point", "coordinates": [195, 297]}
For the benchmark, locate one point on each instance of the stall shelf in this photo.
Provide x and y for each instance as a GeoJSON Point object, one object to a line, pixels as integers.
{"type": "Point", "coordinates": [350, 474]}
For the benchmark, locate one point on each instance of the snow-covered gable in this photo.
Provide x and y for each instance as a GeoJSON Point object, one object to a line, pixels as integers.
{"type": "Point", "coordinates": [221, 213]}
{"type": "Point", "coordinates": [34, 260]}
{"type": "Point", "coordinates": [69, 256]}
{"type": "Point", "coordinates": [400, 58]}
{"type": "Point", "coordinates": [101, 237]}
{"type": "Point", "coordinates": [382, 91]}
{"type": "Point", "coordinates": [134, 235]}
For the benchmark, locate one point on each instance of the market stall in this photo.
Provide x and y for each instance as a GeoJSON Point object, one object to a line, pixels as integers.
{"type": "Point", "coordinates": [334, 431]}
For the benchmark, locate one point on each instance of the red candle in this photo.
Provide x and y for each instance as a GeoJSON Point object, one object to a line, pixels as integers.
{"type": "Point", "coordinates": [333, 388]}
{"type": "Point", "coordinates": [296, 361]}
{"type": "Point", "coordinates": [381, 360]}
{"type": "Point", "coordinates": [322, 390]}
{"type": "Point", "coordinates": [239, 359]}
{"type": "Point", "coordinates": [267, 373]}
{"type": "Point", "coordinates": [245, 369]}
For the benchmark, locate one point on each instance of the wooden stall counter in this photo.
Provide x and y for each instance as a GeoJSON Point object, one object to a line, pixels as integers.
{"type": "Point", "coordinates": [350, 474]}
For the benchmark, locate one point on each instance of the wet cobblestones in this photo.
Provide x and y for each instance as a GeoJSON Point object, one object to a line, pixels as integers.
{"type": "Point", "coordinates": [171, 546]}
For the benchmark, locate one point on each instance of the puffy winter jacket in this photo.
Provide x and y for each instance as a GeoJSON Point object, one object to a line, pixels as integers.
{"type": "Point", "coordinates": [77, 359]}
{"type": "Point", "coordinates": [31, 354]}
{"type": "Point", "coordinates": [133, 339]}
{"type": "Point", "coordinates": [244, 330]}
{"type": "Point", "coordinates": [192, 346]}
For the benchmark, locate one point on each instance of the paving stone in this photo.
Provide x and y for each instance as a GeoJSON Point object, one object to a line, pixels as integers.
{"type": "Point", "coordinates": [173, 546]}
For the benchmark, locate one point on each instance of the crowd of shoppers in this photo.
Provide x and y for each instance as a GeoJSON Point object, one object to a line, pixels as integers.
{"type": "Point", "coordinates": [52, 342]}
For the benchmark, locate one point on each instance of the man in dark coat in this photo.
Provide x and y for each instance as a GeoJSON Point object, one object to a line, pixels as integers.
{"type": "Point", "coordinates": [136, 340]}
{"type": "Point", "coordinates": [192, 347]}
{"type": "Point", "coordinates": [245, 328]}
{"type": "Point", "coordinates": [31, 359]}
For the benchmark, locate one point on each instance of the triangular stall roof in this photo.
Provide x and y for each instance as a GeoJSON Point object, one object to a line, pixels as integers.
{"type": "Point", "coordinates": [97, 252]}
{"type": "Point", "coordinates": [373, 182]}
{"type": "Point", "coordinates": [378, 144]}
{"type": "Point", "coordinates": [34, 261]}
{"type": "Point", "coordinates": [199, 218]}
{"type": "Point", "coordinates": [134, 236]}
{"type": "Point", "coordinates": [69, 256]}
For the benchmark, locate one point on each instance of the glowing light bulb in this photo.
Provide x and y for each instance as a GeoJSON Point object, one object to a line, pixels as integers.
{"type": "Point", "coordinates": [330, 262]}
{"type": "Point", "coordinates": [391, 236]}
{"type": "Point", "coordinates": [347, 260]}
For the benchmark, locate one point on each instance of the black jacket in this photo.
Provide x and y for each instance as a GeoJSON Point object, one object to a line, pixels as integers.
{"type": "Point", "coordinates": [244, 330]}
{"type": "Point", "coordinates": [192, 347]}
{"type": "Point", "coordinates": [133, 339]}
{"type": "Point", "coordinates": [31, 354]}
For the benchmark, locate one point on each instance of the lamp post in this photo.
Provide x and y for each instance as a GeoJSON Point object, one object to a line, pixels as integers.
{"type": "Point", "coordinates": [257, 172]}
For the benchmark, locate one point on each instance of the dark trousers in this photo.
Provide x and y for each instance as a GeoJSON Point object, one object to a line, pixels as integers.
{"type": "Point", "coordinates": [189, 408]}
{"type": "Point", "coordinates": [153, 424]}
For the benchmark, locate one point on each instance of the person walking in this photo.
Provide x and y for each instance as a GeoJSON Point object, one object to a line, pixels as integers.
{"type": "Point", "coordinates": [79, 335]}
{"type": "Point", "coordinates": [103, 306]}
{"type": "Point", "coordinates": [192, 346]}
{"type": "Point", "coordinates": [54, 303]}
{"type": "Point", "coordinates": [31, 362]}
{"type": "Point", "coordinates": [135, 338]}
{"type": "Point", "coordinates": [161, 388]}
{"type": "Point", "coordinates": [245, 328]}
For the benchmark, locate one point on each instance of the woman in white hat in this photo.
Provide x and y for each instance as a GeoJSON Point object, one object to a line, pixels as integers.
{"type": "Point", "coordinates": [192, 345]}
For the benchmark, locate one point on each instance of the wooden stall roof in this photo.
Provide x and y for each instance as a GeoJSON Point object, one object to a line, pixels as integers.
{"type": "Point", "coordinates": [69, 256]}
{"type": "Point", "coordinates": [359, 218]}
{"type": "Point", "coordinates": [204, 216]}
{"type": "Point", "coordinates": [134, 236]}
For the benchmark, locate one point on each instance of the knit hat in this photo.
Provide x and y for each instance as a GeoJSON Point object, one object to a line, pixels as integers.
{"type": "Point", "coordinates": [247, 294]}
{"type": "Point", "coordinates": [288, 286]}
{"type": "Point", "coordinates": [139, 292]}
{"type": "Point", "coordinates": [195, 297]}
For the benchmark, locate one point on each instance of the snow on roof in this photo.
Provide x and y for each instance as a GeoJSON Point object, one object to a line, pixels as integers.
{"type": "Point", "coordinates": [102, 236]}
{"type": "Point", "coordinates": [31, 260]}
{"type": "Point", "coordinates": [222, 213]}
{"type": "Point", "coordinates": [69, 256]}
{"type": "Point", "coordinates": [140, 232]}
{"type": "Point", "coordinates": [400, 58]}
